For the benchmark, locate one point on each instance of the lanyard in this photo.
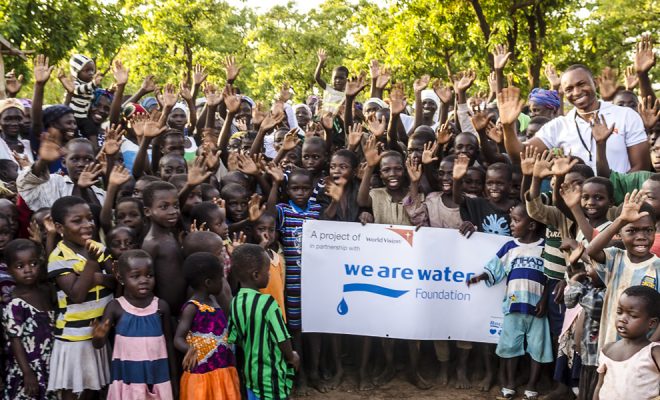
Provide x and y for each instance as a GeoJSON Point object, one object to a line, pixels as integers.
{"type": "Point", "coordinates": [584, 144]}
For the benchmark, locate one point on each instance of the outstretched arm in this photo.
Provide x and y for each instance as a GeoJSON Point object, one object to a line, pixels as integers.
{"type": "Point", "coordinates": [317, 73]}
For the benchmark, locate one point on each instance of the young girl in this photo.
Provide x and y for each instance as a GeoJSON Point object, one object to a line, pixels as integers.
{"type": "Point", "coordinates": [142, 346]}
{"type": "Point", "coordinates": [262, 232]}
{"type": "Point", "coordinates": [209, 364]}
{"type": "Point", "coordinates": [83, 291]}
{"type": "Point", "coordinates": [630, 367]}
{"type": "Point", "coordinates": [28, 325]}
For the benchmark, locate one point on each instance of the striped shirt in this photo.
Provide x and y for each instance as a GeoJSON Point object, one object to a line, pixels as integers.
{"type": "Point", "coordinates": [290, 219]}
{"type": "Point", "coordinates": [591, 300]}
{"type": "Point", "coordinates": [619, 273]}
{"type": "Point", "coordinates": [81, 98]}
{"type": "Point", "coordinates": [74, 320]}
{"type": "Point", "coordinates": [256, 325]}
{"type": "Point", "coordinates": [522, 267]}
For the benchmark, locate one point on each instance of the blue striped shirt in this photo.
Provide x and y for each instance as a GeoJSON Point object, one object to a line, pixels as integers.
{"type": "Point", "coordinates": [522, 267]}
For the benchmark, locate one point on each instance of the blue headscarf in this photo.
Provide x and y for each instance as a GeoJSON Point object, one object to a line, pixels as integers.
{"type": "Point", "coordinates": [545, 98]}
{"type": "Point", "coordinates": [98, 93]}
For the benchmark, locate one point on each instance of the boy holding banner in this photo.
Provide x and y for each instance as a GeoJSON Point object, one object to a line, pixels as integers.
{"type": "Point", "coordinates": [519, 262]}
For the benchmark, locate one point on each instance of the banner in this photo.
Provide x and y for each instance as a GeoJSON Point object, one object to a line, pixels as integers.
{"type": "Point", "coordinates": [393, 281]}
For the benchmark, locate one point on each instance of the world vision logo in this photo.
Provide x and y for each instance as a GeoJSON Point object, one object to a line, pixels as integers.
{"type": "Point", "coordinates": [406, 234]}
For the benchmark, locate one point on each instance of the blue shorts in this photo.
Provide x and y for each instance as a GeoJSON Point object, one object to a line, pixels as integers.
{"type": "Point", "coordinates": [251, 395]}
{"type": "Point", "coordinates": [518, 329]}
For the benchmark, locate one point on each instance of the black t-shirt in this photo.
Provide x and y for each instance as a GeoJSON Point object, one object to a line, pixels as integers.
{"type": "Point", "coordinates": [485, 216]}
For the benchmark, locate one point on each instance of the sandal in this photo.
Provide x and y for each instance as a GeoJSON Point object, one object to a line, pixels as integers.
{"type": "Point", "coordinates": [531, 395]}
{"type": "Point", "coordinates": [507, 394]}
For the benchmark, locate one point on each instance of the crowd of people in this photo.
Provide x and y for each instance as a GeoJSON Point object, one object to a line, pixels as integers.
{"type": "Point", "coordinates": [150, 242]}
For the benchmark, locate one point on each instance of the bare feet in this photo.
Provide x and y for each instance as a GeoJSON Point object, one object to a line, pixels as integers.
{"type": "Point", "coordinates": [335, 380]}
{"type": "Point", "coordinates": [462, 381]}
{"type": "Point", "coordinates": [421, 383]}
{"type": "Point", "coordinates": [386, 376]}
{"type": "Point", "coordinates": [317, 383]}
{"type": "Point", "coordinates": [561, 392]}
{"type": "Point", "coordinates": [302, 390]}
{"type": "Point", "coordinates": [443, 376]}
{"type": "Point", "coordinates": [364, 383]}
{"type": "Point", "coordinates": [486, 383]}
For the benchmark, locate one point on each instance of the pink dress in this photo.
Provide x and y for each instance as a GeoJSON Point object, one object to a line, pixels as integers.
{"type": "Point", "coordinates": [140, 368]}
{"type": "Point", "coordinates": [635, 378]}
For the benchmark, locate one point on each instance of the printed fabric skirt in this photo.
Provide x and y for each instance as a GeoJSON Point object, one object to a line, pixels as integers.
{"type": "Point", "coordinates": [78, 366]}
{"type": "Point", "coordinates": [221, 383]}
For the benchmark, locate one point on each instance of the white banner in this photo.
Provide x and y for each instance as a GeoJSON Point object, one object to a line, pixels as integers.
{"type": "Point", "coordinates": [390, 281]}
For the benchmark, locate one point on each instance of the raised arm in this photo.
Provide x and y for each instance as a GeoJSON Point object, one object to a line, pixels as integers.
{"type": "Point", "coordinates": [571, 196]}
{"type": "Point", "coordinates": [42, 73]}
{"type": "Point", "coordinates": [644, 61]}
{"type": "Point", "coordinates": [233, 103]}
{"type": "Point", "coordinates": [317, 73]}
{"type": "Point", "coordinates": [555, 84]}
{"type": "Point", "coordinates": [500, 59]}
{"type": "Point", "coordinates": [510, 105]}
{"type": "Point", "coordinates": [397, 105]}
{"type": "Point", "coordinates": [419, 85]}
{"type": "Point", "coordinates": [353, 87]}
{"type": "Point", "coordinates": [373, 158]}
{"type": "Point", "coordinates": [461, 165]}
{"type": "Point", "coordinates": [118, 177]}
{"type": "Point", "coordinates": [601, 132]}
{"type": "Point", "coordinates": [120, 74]}
{"type": "Point", "coordinates": [148, 86]}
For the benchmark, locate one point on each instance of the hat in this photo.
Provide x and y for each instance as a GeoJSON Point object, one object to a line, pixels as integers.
{"type": "Point", "coordinates": [11, 103]}
{"type": "Point", "coordinates": [149, 103]}
{"type": "Point", "coordinates": [53, 113]}
{"type": "Point", "coordinates": [77, 62]}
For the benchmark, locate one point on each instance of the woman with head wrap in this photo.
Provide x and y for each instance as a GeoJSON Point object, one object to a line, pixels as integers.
{"type": "Point", "coordinates": [11, 120]}
{"type": "Point", "coordinates": [544, 103]}
{"type": "Point", "coordinates": [99, 110]}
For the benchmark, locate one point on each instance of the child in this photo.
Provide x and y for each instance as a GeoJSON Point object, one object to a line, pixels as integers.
{"type": "Point", "coordinates": [519, 262]}
{"type": "Point", "coordinates": [129, 212]}
{"type": "Point", "coordinates": [119, 240]}
{"type": "Point", "coordinates": [263, 233]}
{"type": "Point", "coordinates": [587, 290]}
{"type": "Point", "coordinates": [83, 291]}
{"type": "Point", "coordinates": [143, 341]}
{"type": "Point", "coordinates": [266, 373]}
{"type": "Point", "coordinates": [6, 281]}
{"type": "Point", "coordinates": [630, 367]}
{"type": "Point", "coordinates": [209, 364]}
{"type": "Point", "coordinates": [619, 269]}
{"type": "Point", "coordinates": [27, 322]}
{"type": "Point", "coordinates": [161, 206]}
{"type": "Point", "coordinates": [651, 189]}
{"type": "Point", "coordinates": [83, 70]}
{"type": "Point", "coordinates": [473, 183]}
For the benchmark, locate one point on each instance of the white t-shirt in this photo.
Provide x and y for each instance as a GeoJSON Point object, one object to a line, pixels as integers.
{"type": "Point", "coordinates": [565, 132]}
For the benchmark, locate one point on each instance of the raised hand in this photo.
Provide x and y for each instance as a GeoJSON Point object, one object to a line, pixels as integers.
{"type": "Point", "coordinates": [327, 120]}
{"type": "Point", "coordinates": [198, 228]}
{"type": "Point", "coordinates": [211, 155]}
{"type": "Point", "coordinates": [22, 159]}
{"type": "Point", "coordinates": [185, 91]}
{"type": "Point", "coordinates": [335, 190]}
{"type": "Point", "coordinates": [562, 164]}
{"type": "Point", "coordinates": [356, 84]}
{"type": "Point", "coordinates": [630, 79]}
{"type": "Point", "coordinates": [377, 126]}
{"type": "Point", "coordinates": [50, 148]}
{"type": "Point", "coordinates": [370, 150]}
{"type": "Point", "coordinates": [42, 70]}
{"type": "Point", "coordinates": [421, 83]}
{"type": "Point", "coordinates": [34, 232]}
{"type": "Point", "coordinates": [480, 120]}
{"type": "Point", "coordinates": [414, 170]}
{"type": "Point", "coordinates": [148, 84]}
{"type": "Point", "coordinates": [492, 82]}
{"type": "Point", "coordinates": [573, 257]}
{"type": "Point", "coordinates": [500, 56]}
{"type": "Point", "coordinates": [247, 165]}
{"type": "Point", "coordinates": [198, 172]}
{"type": "Point", "coordinates": [232, 68]}
{"type": "Point", "coordinates": [89, 175]}
{"type": "Point", "coordinates": [509, 105]}
{"type": "Point", "coordinates": [151, 126]}
{"type": "Point", "coordinates": [237, 239]}
{"type": "Point", "coordinates": [443, 92]}
{"type": "Point", "coordinates": [13, 85]}
{"type": "Point", "coordinates": [114, 137]}
{"type": "Point", "coordinates": [199, 75]}
{"type": "Point", "coordinates": [322, 56]}
{"type": "Point", "coordinates": [543, 165]}
{"type": "Point", "coordinates": [232, 100]}
{"type": "Point", "coordinates": [429, 153]}
{"type": "Point", "coordinates": [120, 73]}
{"type": "Point", "coordinates": [644, 56]}
{"type": "Point", "coordinates": [285, 93]}
{"type": "Point", "coordinates": [275, 172]}
{"type": "Point", "coordinates": [649, 111]}
{"type": "Point", "coordinates": [255, 209]}
{"type": "Point", "coordinates": [553, 76]}
{"type": "Point", "coordinates": [631, 205]}
{"type": "Point", "coordinates": [527, 160]}
{"type": "Point", "coordinates": [65, 80]}
{"type": "Point", "coordinates": [461, 165]}
{"type": "Point", "coordinates": [119, 176]}
{"type": "Point", "coordinates": [464, 79]}
{"type": "Point", "coordinates": [213, 97]}
{"type": "Point", "coordinates": [599, 129]}
{"type": "Point", "coordinates": [607, 83]}
{"type": "Point", "coordinates": [49, 225]}
{"type": "Point", "coordinates": [397, 100]}
{"type": "Point", "coordinates": [443, 133]}
{"type": "Point", "coordinates": [383, 78]}
{"type": "Point", "coordinates": [290, 140]}
{"type": "Point", "coordinates": [572, 194]}
{"type": "Point", "coordinates": [374, 69]}
{"type": "Point", "coordinates": [354, 135]}
{"type": "Point", "coordinates": [273, 118]}
{"type": "Point", "coordinates": [170, 96]}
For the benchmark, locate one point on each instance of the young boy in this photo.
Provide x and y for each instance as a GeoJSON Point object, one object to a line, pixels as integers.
{"type": "Point", "coordinates": [257, 326]}
{"type": "Point", "coordinates": [83, 69]}
{"type": "Point", "coordinates": [519, 262]}
{"type": "Point", "coordinates": [161, 206]}
{"type": "Point", "coordinates": [620, 269]}
{"type": "Point", "coordinates": [651, 189]}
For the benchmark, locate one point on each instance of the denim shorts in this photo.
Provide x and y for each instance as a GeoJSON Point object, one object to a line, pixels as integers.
{"type": "Point", "coordinates": [520, 329]}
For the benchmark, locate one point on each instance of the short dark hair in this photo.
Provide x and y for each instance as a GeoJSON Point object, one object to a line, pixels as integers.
{"type": "Point", "coordinates": [199, 267]}
{"type": "Point", "coordinates": [152, 188]}
{"type": "Point", "coordinates": [649, 296]}
{"type": "Point", "coordinates": [17, 245]}
{"type": "Point", "coordinates": [247, 258]}
{"type": "Point", "coordinates": [502, 167]}
{"type": "Point", "coordinates": [649, 209]}
{"type": "Point", "coordinates": [120, 228]}
{"type": "Point", "coordinates": [539, 119]}
{"type": "Point", "coordinates": [200, 212]}
{"type": "Point", "coordinates": [654, 177]}
{"type": "Point", "coordinates": [233, 189]}
{"type": "Point", "coordinates": [148, 178]}
{"type": "Point", "coordinates": [582, 169]}
{"type": "Point", "coordinates": [423, 133]}
{"type": "Point", "coordinates": [198, 241]}
{"type": "Point", "coordinates": [599, 180]}
{"type": "Point", "coordinates": [79, 141]}
{"type": "Point", "coordinates": [314, 141]}
{"type": "Point", "coordinates": [301, 172]}
{"type": "Point", "coordinates": [61, 207]}
{"type": "Point", "coordinates": [580, 66]}
{"type": "Point", "coordinates": [349, 155]}
{"type": "Point", "coordinates": [133, 200]}
{"type": "Point", "coordinates": [341, 68]}
{"type": "Point", "coordinates": [125, 259]}
{"type": "Point", "coordinates": [168, 156]}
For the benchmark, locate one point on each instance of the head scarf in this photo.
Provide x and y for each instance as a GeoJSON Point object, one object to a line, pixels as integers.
{"type": "Point", "coordinates": [132, 109]}
{"type": "Point", "coordinates": [430, 95]}
{"type": "Point", "coordinates": [77, 62]}
{"type": "Point", "coordinates": [249, 101]}
{"type": "Point", "coordinates": [305, 106]}
{"type": "Point", "coordinates": [149, 103]}
{"type": "Point", "coordinates": [10, 103]}
{"type": "Point", "coordinates": [375, 100]}
{"type": "Point", "coordinates": [182, 107]}
{"type": "Point", "coordinates": [53, 113]}
{"type": "Point", "coordinates": [98, 93]}
{"type": "Point", "coordinates": [27, 103]}
{"type": "Point", "coordinates": [545, 98]}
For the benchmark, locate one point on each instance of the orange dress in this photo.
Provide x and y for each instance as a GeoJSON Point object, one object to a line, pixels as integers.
{"type": "Point", "coordinates": [275, 286]}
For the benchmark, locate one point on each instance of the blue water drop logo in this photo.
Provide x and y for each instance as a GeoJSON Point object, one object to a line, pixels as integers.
{"type": "Point", "coordinates": [342, 307]}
